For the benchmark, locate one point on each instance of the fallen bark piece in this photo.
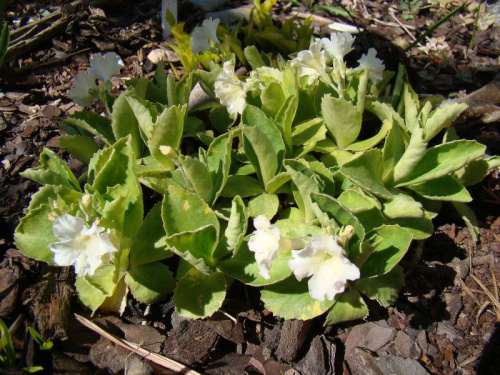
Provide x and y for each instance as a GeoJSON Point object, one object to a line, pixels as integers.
{"type": "Point", "coordinates": [391, 364]}
{"type": "Point", "coordinates": [319, 359]}
{"type": "Point", "coordinates": [230, 364]}
{"type": "Point", "coordinates": [361, 362]}
{"type": "Point", "coordinates": [292, 338]}
{"type": "Point", "coordinates": [191, 342]}
{"type": "Point", "coordinates": [372, 336]}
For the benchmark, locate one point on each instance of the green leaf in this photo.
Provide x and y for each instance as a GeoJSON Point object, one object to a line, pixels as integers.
{"type": "Point", "coordinates": [385, 288]}
{"type": "Point", "coordinates": [347, 306]}
{"type": "Point", "coordinates": [260, 152]}
{"type": "Point", "coordinates": [148, 244]}
{"type": "Point", "coordinates": [198, 295]}
{"type": "Point", "coordinates": [199, 177]}
{"type": "Point", "coordinates": [264, 204]}
{"type": "Point", "coordinates": [93, 123]}
{"type": "Point", "coordinates": [145, 114]}
{"type": "Point", "coordinates": [340, 214]}
{"type": "Point", "coordinates": [220, 119]}
{"type": "Point", "coordinates": [92, 292]}
{"type": "Point", "coordinates": [150, 282]}
{"type": "Point", "coordinates": [442, 160]}
{"type": "Point", "coordinates": [469, 218]}
{"type": "Point", "coordinates": [366, 170]}
{"type": "Point", "coordinates": [290, 299]}
{"type": "Point", "coordinates": [419, 227]}
{"type": "Point", "coordinates": [473, 173]}
{"type": "Point", "coordinates": [414, 153]}
{"type": "Point", "coordinates": [445, 188]}
{"type": "Point", "coordinates": [255, 118]}
{"type": "Point", "coordinates": [197, 247]}
{"type": "Point", "coordinates": [219, 162]}
{"type": "Point", "coordinates": [237, 225]}
{"type": "Point", "coordinates": [372, 141]}
{"type": "Point", "coordinates": [50, 193]}
{"type": "Point", "coordinates": [6, 345]}
{"type": "Point", "coordinates": [285, 117]}
{"type": "Point", "coordinates": [167, 131]}
{"type": "Point", "coordinates": [403, 205]}
{"type": "Point", "coordinates": [277, 182]}
{"type": "Point", "coordinates": [244, 186]}
{"type": "Point", "coordinates": [81, 147]}
{"type": "Point", "coordinates": [365, 207]}
{"type": "Point", "coordinates": [243, 267]}
{"type": "Point", "coordinates": [442, 118]}
{"type": "Point", "coordinates": [342, 120]}
{"type": "Point", "coordinates": [124, 122]}
{"type": "Point", "coordinates": [306, 182]}
{"type": "Point", "coordinates": [394, 148]}
{"type": "Point", "coordinates": [253, 57]}
{"type": "Point", "coordinates": [53, 171]}
{"type": "Point", "coordinates": [183, 211]}
{"type": "Point", "coordinates": [394, 245]}
{"type": "Point", "coordinates": [112, 174]}
{"type": "Point", "coordinates": [411, 106]}
{"type": "Point", "coordinates": [308, 134]}
{"type": "Point", "coordinates": [272, 98]}
{"type": "Point", "coordinates": [33, 235]}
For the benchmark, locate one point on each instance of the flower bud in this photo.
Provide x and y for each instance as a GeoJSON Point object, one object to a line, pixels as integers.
{"type": "Point", "coordinates": [168, 151]}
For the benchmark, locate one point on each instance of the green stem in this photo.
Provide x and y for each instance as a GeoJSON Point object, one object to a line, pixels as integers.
{"type": "Point", "coordinates": [436, 25]}
{"type": "Point", "coordinates": [473, 38]}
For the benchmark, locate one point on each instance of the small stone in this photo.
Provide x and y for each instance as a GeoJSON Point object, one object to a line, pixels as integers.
{"type": "Point", "coordinates": [422, 341]}
{"type": "Point", "coordinates": [371, 335]}
{"type": "Point", "coordinates": [230, 364]}
{"type": "Point", "coordinates": [319, 359]}
{"type": "Point", "coordinates": [453, 306]}
{"type": "Point", "coordinates": [148, 337]}
{"type": "Point", "coordinates": [104, 354]}
{"type": "Point", "coordinates": [406, 347]}
{"type": "Point", "coordinates": [448, 331]}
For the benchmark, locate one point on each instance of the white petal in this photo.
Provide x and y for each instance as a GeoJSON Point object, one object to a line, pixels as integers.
{"type": "Point", "coordinates": [342, 27]}
{"type": "Point", "coordinates": [64, 253]}
{"type": "Point", "coordinates": [261, 222]}
{"type": "Point", "coordinates": [79, 91]}
{"type": "Point", "coordinates": [372, 64]}
{"type": "Point", "coordinates": [230, 90]}
{"type": "Point", "coordinates": [202, 35]}
{"type": "Point", "coordinates": [339, 45]}
{"type": "Point", "coordinates": [67, 227]}
{"type": "Point", "coordinates": [105, 66]}
{"type": "Point", "coordinates": [306, 262]}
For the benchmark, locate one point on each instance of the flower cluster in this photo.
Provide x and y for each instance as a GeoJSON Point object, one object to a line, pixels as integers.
{"type": "Point", "coordinates": [321, 258]}
{"type": "Point", "coordinates": [84, 248]}
{"type": "Point", "coordinates": [102, 68]}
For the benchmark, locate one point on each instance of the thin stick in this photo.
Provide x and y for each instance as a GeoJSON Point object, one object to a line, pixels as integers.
{"type": "Point", "coordinates": [494, 301]}
{"type": "Point", "coordinates": [153, 357]}
{"type": "Point", "coordinates": [391, 12]}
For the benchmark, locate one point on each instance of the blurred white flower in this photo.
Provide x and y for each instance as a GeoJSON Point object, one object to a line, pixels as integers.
{"type": "Point", "coordinates": [230, 90]}
{"type": "Point", "coordinates": [342, 27]}
{"type": "Point", "coordinates": [79, 91]}
{"type": "Point", "coordinates": [264, 242]}
{"type": "Point", "coordinates": [102, 67]}
{"type": "Point", "coordinates": [311, 62]}
{"type": "Point", "coordinates": [202, 35]}
{"type": "Point", "coordinates": [82, 247]}
{"type": "Point", "coordinates": [105, 66]}
{"type": "Point", "coordinates": [339, 45]}
{"type": "Point", "coordinates": [372, 64]}
{"type": "Point", "coordinates": [330, 269]}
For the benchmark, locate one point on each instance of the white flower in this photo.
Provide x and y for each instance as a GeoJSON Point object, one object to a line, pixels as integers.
{"type": "Point", "coordinates": [330, 269]}
{"type": "Point", "coordinates": [105, 66]}
{"type": "Point", "coordinates": [264, 242]}
{"type": "Point", "coordinates": [230, 90]}
{"type": "Point", "coordinates": [311, 62]}
{"type": "Point", "coordinates": [202, 35]}
{"type": "Point", "coordinates": [342, 27]}
{"type": "Point", "coordinates": [339, 45]}
{"type": "Point", "coordinates": [80, 246]}
{"type": "Point", "coordinates": [373, 65]}
{"type": "Point", "coordinates": [79, 91]}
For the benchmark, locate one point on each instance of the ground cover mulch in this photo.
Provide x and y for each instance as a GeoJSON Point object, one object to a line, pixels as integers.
{"type": "Point", "coordinates": [446, 319]}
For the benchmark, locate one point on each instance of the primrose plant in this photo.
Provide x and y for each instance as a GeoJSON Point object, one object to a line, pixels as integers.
{"type": "Point", "coordinates": [308, 179]}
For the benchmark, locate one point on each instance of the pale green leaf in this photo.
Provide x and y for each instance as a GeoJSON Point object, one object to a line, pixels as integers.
{"type": "Point", "coordinates": [394, 245]}
{"type": "Point", "coordinates": [411, 157]}
{"type": "Point", "coordinates": [150, 282]}
{"type": "Point", "coordinates": [237, 225]}
{"type": "Point", "coordinates": [52, 171]}
{"type": "Point", "coordinates": [473, 173]}
{"type": "Point", "coordinates": [219, 162]}
{"type": "Point", "coordinates": [124, 122]}
{"type": "Point", "coordinates": [79, 146]}
{"type": "Point", "coordinates": [372, 141]}
{"type": "Point", "coordinates": [347, 306]}
{"type": "Point", "coordinates": [385, 288]}
{"type": "Point", "coordinates": [260, 152]}
{"type": "Point", "coordinates": [264, 204]}
{"type": "Point", "coordinates": [198, 295]}
{"type": "Point", "coordinates": [272, 98]}
{"type": "Point", "coordinates": [33, 235]}
{"type": "Point", "coordinates": [366, 170]}
{"type": "Point", "coordinates": [402, 205]}
{"type": "Point", "coordinates": [342, 120]}
{"type": "Point", "coordinates": [290, 299]}
{"type": "Point", "coordinates": [442, 118]}
{"type": "Point", "coordinates": [442, 160]}
{"type": "Point", "coordinates": [243, 267]}
{"type": "Point", "coordinates": [445, 188]}
{"type": "Point", "coordinates": [92, 122]}
{"type": "Point", "coordinates": [285, 117]}
{"type": "Point", "coordinates": [244, 186]}
{"type": "Point", "coordinates": [469, 218]}
{"type": "Point", "coordinates": [198, 176]}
